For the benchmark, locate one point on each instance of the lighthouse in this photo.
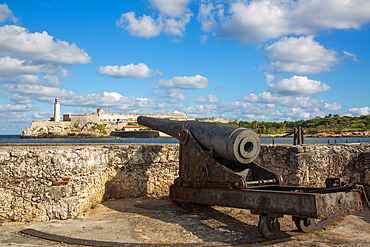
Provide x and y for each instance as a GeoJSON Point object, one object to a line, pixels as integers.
{"type": "Point", "coordinates": [57, 110]}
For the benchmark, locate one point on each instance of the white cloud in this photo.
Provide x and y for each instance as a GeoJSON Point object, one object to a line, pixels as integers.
{"type": "Point", "coordinates": [6, 14]}
{"type": "Point", "coordinates": [200, 110]}
{"type": "Point", "coordinates": [206, 99]}
{"type": "Point", "coordinates": [43, 116]}
{"type": "Point", "coordinates": [305, 103]}
{"type": "Point", "coordinates": [203, 38]}
{"type": "Point", "coordinates": [170, 7]}
{"type": "Point", "coordinates": [140, 70]}
{"type": "Point", "coordinates": [332, 107]}
{"type": "Point", "coordinates": [16, 41]}
{"type": "Point", "coordinates": [161, 105]}
{"type": "Point", "coordinates": [269, 78]}
{"type": "Point", "coordinates": [174, 96]}
{"type": "Point", "coordinates": [144, 26]}
{"type": "Point", "coordinates": [13, 67]}
{"type": "Point", "coordinates": [177, 27]}
{"type": "Point", "coordinates": [40, 93]}
{"type": "Point", "coordinates": [360, 111]}
{"type": "Point", "coordinates": [21, 99]}
{"type": "Point", "coordinates": [147, 27]}
{"type": "Point", "coordinates": [64, 74]}
{"type": "Point", "coordinates": [296, 113]}
{"type": "Point", "coordinates": [14, 122]}
{"type": "Point", "coordinates": [267, 97]}
{"type": "Point", "coordinates": [17, 108]}
{"type": "Point", "coordinates": [47, 80]}
{"type": "Point", "coordinates": [300, 55]}
{"type": "Point", "coordinates": [206, 16]}
{"type": "Point", "coordinates": [113, 100]}
{"type": "Point", "coordinates": [350, 55]}
{"type": "Point", "coordinates": [298, 85]}
{"type": "Point", "coordinates": [185, 82]}
{"type": "Point", "coordinates": [260, 20]}
{"type": "Point", "coordinates": [52, 80]}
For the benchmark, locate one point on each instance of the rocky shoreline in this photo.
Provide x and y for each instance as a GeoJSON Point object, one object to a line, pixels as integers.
{"type": "Point", "coordinates": [69, 130]}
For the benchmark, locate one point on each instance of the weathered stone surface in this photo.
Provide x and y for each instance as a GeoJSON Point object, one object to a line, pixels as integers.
{"type": "Point", "coordinates": [45, 129]}
{"type": "Point", "coordinates": [42, 182]}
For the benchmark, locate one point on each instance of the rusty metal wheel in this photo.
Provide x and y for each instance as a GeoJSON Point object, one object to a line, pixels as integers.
{"type": "Point", "coordinates": [269, 227]}
{"type": "Point", "coordinates": [304, 224]}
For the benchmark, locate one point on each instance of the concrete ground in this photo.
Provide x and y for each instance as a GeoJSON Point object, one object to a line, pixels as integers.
{"type": "Point", "coordinates": [149, 221]}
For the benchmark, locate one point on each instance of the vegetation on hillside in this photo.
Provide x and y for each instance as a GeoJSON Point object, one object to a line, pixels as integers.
{"type": "Point", "coordinates": [331, 123]}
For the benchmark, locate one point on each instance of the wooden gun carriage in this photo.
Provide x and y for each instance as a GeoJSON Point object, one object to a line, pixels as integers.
{"type": "Point", "coordinates": [216, 168]}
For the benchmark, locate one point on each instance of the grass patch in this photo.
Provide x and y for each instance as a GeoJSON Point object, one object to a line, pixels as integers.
{"type": "Point", "coordinates": [101, 126]}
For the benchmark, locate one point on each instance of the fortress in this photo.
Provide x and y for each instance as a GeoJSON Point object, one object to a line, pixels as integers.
{"type": "Point", "coordinates": [86, 125]}
{"type": "Point", "coordinates": [118, 119]}
{"type": "Point", "coordinates": [93, 125]}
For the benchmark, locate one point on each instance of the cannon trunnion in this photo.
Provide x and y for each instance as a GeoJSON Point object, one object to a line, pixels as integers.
{"type": "Point", "coordinates": [216, 168]}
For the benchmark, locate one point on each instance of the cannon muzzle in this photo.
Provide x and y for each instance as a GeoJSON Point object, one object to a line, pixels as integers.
{"type": "Point", "coordinates": [228, 142]}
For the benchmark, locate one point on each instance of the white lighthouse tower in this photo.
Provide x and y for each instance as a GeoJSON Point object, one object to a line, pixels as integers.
{"type": "Point", "coordinates": [57, 110]}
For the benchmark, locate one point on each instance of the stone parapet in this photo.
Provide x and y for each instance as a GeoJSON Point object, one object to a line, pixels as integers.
{"type": "Point", "coordinates": [40, 182]}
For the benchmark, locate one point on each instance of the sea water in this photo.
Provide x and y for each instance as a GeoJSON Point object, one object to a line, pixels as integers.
{"type": "Point", "coordinates": [264, 140]}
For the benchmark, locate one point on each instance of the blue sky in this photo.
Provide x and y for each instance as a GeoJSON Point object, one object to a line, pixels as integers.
{"type": "Point", "coordinates": [237, 59]}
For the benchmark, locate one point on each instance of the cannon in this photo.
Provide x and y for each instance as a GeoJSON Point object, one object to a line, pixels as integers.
{"type": "Point", "coordinates": [216, 168]}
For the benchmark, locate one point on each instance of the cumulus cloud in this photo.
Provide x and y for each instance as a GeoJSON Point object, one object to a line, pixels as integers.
{"type": "Point", "coordinates": [171, 8]}
{"type": "Point", "coordinates": [359, 111]}
{"type": "Point", "coordinates": [6, 14]}
{"type": "Point", "coordinates": [296, 113]}
{"type": "Point", "coordinates": [36, 58]}
{"type": "Point", "coordinates": [301, 55]}
{"type": "Point", "coordinates": [260, 20]}
{"type": "Point", "coordinates": [174, 96]}
{"type": "Point", "coordinates": [206, 99]}
{"type": "Point", "coordinates": [16, 41]}
{"type": "Point", "coordinates": [10, 67]}
{"type": "Point", "coordinates": [298, 85]}
{"type": "Point", "coordinates": [289, 101]}
{"type": "Point", "coordinates": [207, 15]}
{"type": "Point", "coordinates": [21, 99]}
{"type": "Point", "coordinates": [185, 82]}
{"type": "Point", "coordinates": [42, 116]}
{"type": "Point", "coordinates": [148, 27]}
{"type": "Point", "coordinates": [11, 121]}
{"type": "Point", "coordinates": [144, 26]}
{"type": "Point", "coordinates": [140, 70]}
{"type": "Point", "coordinates": [115, 101]}
{"type": "Point", "coordinates": [40, 93]}
{"type": "Point", "coordinates": [17, 108]}
{"type": "Point", "coordinates": [47, 80]}
{"type": "Point", "coordinates": [200, 110]}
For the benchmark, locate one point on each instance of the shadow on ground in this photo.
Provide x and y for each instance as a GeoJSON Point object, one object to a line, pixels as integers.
{"type": "Point", "coordinates": [164, 221]}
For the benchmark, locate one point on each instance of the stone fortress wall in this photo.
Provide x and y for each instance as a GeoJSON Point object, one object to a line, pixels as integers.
{"type": "Point", "coordinates": [85, 125]}
{"type": "Point", "coordinates": [118, 119]}
{"type": "Point", "coordinates": [41, 182]}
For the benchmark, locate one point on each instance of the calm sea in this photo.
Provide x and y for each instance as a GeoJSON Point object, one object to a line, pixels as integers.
{"type": "Point", "coordinates": [264, 140]}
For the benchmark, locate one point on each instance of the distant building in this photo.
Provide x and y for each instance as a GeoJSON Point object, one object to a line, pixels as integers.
{"type": "Point", "coordinates": [56, 110]}
{"type": "Point", "coordinates": [117, 118]}
{"type": "Point", "coordinates": [121, 119]}
{"type": "Point", "coordinates": [213, 119]}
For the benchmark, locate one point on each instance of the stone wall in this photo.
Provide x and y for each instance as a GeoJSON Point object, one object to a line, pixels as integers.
{"type": "Point", "coordinates": [42, 182]}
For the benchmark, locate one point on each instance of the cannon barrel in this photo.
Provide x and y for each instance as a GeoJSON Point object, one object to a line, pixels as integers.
{"type": "Point", "coordinates": [229, 142]}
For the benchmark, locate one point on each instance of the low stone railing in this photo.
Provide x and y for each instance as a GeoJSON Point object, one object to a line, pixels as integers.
{"type": "Point", "coordinates": [41, 182]}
